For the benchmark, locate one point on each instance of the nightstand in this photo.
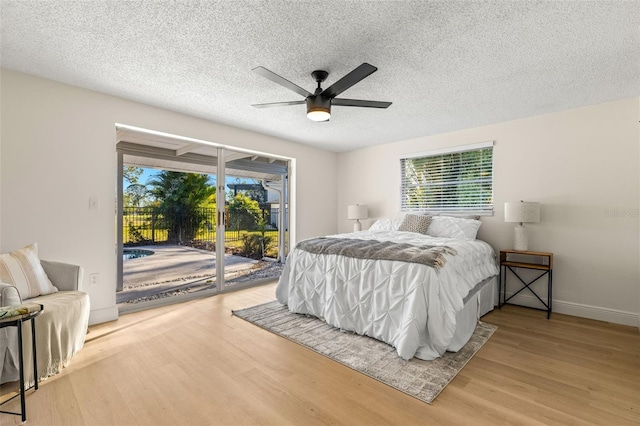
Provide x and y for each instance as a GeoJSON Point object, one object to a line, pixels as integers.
{"type": "Point", "coordinates": [545, 267]}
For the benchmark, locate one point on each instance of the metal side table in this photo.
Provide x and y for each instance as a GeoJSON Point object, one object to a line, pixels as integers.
{"type": "Point", "coordinates": [14, 316]}
{"type": "Point", "coordinates": [545, 268]}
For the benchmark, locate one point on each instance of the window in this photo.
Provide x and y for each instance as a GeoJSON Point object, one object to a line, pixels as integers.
{"type": "Point", "coordinates": [456, 180]}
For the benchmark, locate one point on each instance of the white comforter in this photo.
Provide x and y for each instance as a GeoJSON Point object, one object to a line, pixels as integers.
{"type": "Point", "coordinates": [407, 305]}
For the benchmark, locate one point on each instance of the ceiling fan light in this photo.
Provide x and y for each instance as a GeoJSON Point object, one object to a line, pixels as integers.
{"type": "Point", "coordinates": [318, 108]}
{"type": "Point", "coordinates": [318, 113]}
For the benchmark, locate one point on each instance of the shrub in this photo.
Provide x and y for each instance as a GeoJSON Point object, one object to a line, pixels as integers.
{"type": "Point", "coordinates": [255, 245]}
{"type": "Point", "coordinates": [135, 235]}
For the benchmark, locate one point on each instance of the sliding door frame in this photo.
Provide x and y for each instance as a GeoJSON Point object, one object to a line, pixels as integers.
{"type": "Point", "coordinates": [221, 198]}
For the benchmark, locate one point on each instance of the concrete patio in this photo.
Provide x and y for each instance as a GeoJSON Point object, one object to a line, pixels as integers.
{"type": "Point", "coordinates": [176, 269]}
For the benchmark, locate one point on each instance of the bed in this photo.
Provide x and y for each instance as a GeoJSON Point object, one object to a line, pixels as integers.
{"type": "Point", "coordinates": [421, 291]}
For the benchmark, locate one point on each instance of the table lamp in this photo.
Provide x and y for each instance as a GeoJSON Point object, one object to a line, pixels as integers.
{"type": "Point", "coordinates": [522, 212]}
{"type": "Point", "coordinates": [357, 212]}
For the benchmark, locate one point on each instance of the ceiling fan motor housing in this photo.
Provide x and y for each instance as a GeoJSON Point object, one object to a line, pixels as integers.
{"type": "Point", "coordinates": [318, 104]}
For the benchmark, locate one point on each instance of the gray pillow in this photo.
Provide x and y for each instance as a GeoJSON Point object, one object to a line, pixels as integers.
{"type": "Point", "coordinates": [415, 223]}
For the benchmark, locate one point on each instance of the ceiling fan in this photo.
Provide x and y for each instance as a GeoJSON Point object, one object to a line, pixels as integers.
{"type": "Point", "coordinates": [319, 103]}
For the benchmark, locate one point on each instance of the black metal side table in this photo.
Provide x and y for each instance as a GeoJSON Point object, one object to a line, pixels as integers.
{"type": "Point", "coordinates": [546, 268]}
{"type": "Point", "coordinates": [14, 316]}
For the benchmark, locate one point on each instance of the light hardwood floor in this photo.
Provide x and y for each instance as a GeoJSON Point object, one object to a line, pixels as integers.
{"type": "Point", "coordinates": [196, 364]}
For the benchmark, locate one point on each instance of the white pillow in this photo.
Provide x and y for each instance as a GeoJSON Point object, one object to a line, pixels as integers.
{"type": "Point", "coordinates": [22, 269]}
{"type": "Point", "coordinates": [454, 227]}
{"type": "Point", "coordinates": [386, 225]}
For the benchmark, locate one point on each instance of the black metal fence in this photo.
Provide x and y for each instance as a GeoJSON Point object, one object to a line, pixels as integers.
{"type": "Point", "coordinates": [147, 225]}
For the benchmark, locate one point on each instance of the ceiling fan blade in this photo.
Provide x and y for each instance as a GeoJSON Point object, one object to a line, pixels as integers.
{"type": "Point", "coordinates": [281, 81]}
{"type": "Point", "coordinates": [349, 80]}
{"type": "Point", "coordinates": [277, 104]}
{"type": "Point", "coordinates": [359, 103]}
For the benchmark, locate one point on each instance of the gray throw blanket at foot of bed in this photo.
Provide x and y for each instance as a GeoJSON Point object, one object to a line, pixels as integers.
{"type": "Point", "coordinates": [432, 256]}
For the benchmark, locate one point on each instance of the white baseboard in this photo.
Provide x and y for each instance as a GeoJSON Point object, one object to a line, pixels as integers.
{"type": "Point", "coordinates": [583, 311]}
{"type": "Point", "coordinates": [97, 316]}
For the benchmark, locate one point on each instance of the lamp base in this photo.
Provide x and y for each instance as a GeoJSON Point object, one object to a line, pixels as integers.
{"type": "Point", "coordinates": [520, 239]}
{"type": "Point", "coordinates": [357, 226]}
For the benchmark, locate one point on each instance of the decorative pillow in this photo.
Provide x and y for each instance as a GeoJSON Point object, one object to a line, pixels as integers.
{"type": "Point", "coordinates": [385, 225]}
{"type": "Point", "coordinates": [415, 223]}
{"type": "Point", "coordinates": [454, 227]}
{"type": "Point", "coordinates": [22, 269]}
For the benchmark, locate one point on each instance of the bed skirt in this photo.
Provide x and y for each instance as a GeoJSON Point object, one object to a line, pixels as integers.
{"type": "Point", "coordinates": [480, 300]}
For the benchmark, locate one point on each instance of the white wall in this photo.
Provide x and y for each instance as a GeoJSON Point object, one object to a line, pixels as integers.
{"type": "Point", "coordinates": [581, 165]}
{"type": "Point", "coordinates": [57, 149]}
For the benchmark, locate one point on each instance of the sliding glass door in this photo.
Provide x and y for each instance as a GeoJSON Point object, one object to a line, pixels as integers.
{"type": "Point", "coordinates": [195, 220]}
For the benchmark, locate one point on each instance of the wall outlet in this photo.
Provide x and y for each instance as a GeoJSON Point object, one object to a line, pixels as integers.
{"type": "Point", "coordinates": [94, 279]}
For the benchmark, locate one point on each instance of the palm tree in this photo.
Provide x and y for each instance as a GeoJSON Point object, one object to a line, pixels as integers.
{"type": "Point", "coordinates": [180, 197]}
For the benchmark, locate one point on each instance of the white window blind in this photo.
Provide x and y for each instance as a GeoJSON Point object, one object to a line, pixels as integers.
{"type": "Point", "coordinates": [452, 182]}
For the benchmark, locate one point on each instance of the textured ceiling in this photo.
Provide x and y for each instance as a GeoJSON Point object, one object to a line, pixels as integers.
{"type": "Point", "coordinates": [445, 65]}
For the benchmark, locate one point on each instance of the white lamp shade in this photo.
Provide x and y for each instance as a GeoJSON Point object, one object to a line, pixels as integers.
{"type": "Point", "coordinates": [523, 212]}
{"type": "Point", "coordinates": [357, 211]}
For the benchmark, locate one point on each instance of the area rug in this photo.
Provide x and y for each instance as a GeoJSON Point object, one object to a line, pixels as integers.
{"type": "Point", "coordinates": [421, 379]}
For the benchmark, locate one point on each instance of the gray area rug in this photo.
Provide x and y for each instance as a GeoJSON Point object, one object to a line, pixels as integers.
{"type": "Point", "coordinates": [421, 379]}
